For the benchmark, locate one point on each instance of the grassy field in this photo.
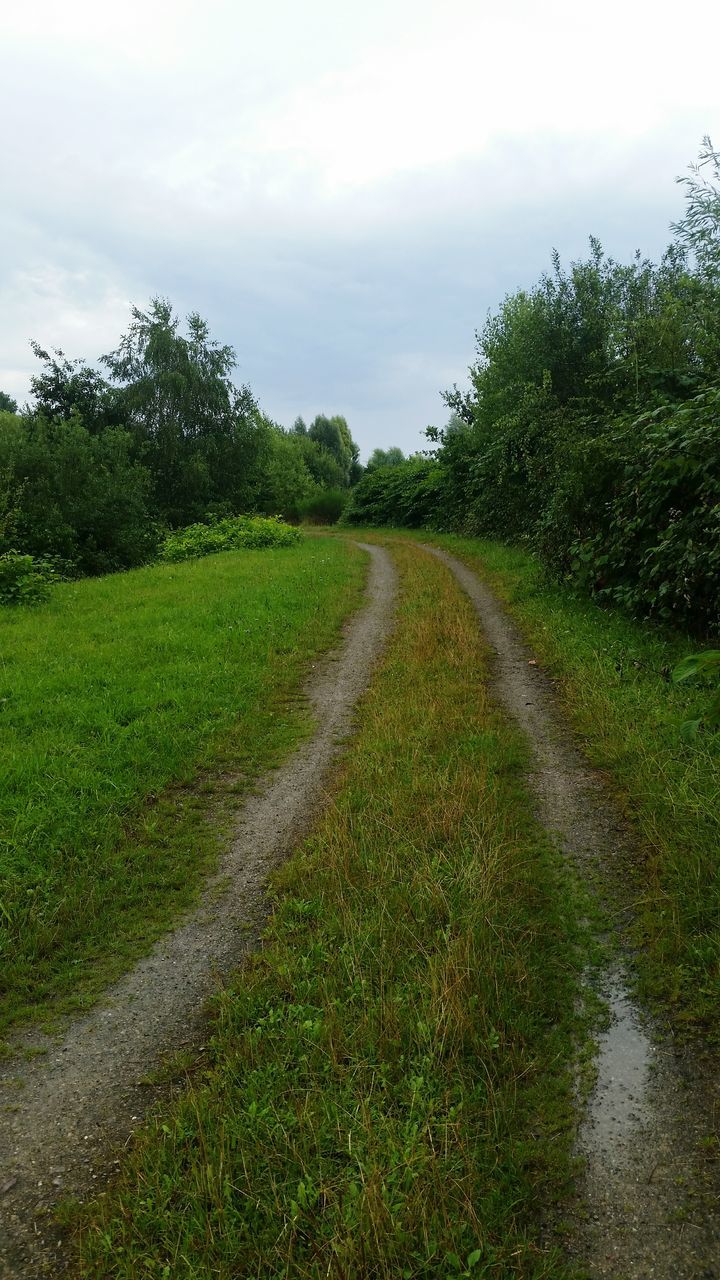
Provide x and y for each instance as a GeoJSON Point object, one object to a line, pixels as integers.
{"type": "Point", "coordinates": [122, 701]}
{"type": "Point", "coordinates": [613, 674]}
{"type": "Point", "coordinates": [387, 1092]}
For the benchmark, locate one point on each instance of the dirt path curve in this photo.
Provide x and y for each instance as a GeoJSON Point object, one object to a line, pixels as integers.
{"type": "Point", "coordinates": [650, 1196]}
{"type": "Point", "coordinates": [62, 1114]}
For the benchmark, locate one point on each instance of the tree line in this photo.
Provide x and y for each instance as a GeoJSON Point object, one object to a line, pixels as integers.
{"type": "Point", "coordinates": [591, 428]}
{"type": "Point", "coordinates": [104, 460]}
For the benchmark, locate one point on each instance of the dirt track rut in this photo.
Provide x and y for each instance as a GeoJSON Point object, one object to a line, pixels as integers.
{"type": "Point", "coordinates": [63, 1114]}
{"type": "Point", "coordinates": [650, 1197]}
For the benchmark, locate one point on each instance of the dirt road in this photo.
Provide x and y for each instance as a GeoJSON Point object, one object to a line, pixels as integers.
{"type": "Point", "coordinates": [650, 1197]}
{"type": "Point", "coordinates": [63, 1114]}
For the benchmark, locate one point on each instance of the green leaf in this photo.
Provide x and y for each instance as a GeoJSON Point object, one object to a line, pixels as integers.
{"type": "Point", "coordinates": [697, 664]}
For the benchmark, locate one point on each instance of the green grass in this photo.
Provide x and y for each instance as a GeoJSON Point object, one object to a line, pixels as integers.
{"type": "Point", "coordinates": [388, 1092]}
{"type": "Point", "coordinates": [613, 675]}
{"type": "Point", "coordinates": [121, 699]}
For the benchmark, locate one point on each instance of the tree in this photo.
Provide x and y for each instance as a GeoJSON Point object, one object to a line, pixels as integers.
{"type": "Point", "coordinates": [699, 229]}
{"type": "Point", "coordinates": [287, 480]}
{"type": "Point", "coordinates": [68, 387]}
{"type": "Point", "coordinates": [71, 494]}
{"type": "Point", "coordinates": [699, 234]}
{"type": "Point", "coordinates": [7, 404]}
{"type": "Point", "coordinates": [334, 436]}
{"type": "Point", "coordinates": [392, 457]}
{"type": "Point", "coordinates": [200, 436]}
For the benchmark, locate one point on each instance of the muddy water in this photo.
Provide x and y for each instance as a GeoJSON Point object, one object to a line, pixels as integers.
{"type": "Point", "coordinates": [649, 1199]}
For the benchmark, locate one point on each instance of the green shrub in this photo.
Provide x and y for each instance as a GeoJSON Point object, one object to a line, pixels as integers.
{"type": "Point", "coordinates": [323, 508]}
{"type": "Point", "coordinates": [408, 495]}
{"type": "Point", "coordinates": [79, 497]}
{"type": "Point", "coordinates": [23, 579]}
{"type": "Point", "coordinates": [656, 551]}
{"type": "Point", "coordinates": [229, 534]}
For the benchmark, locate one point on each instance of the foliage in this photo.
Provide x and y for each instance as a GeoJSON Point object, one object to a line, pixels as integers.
{"type": "Point", "coordinates": [198, 434]}
{"type": "Point", "coordinates": [392, 457]}
{"type": "Point", "coordinates": [333, 434]}
{"type": "Point", "coordinates": [699, 229]}
{"type": "Point", "coordinates": [657, 549]}
{"type": "Point", "coordinates": [701, 664]}
{"type": "Point", "coordinates": [73, 495]}
{"type": "Point", "coordinates": [407, 494]}
{"type": "Point", "coordinates": [120, 701]}
{"type": "Point", "coordinates": [287, 479]}
{"type": "Point", "coordinates": [96, 465]}
{"type": "Point", "coordinates": [23, 579]}
{"type": "Point", "coordinates": [230, 534]}
{"type": "Point", "coordinates": [590, 431]}
{"type": "Point", "coordinates": [71, 388]}
{"type": "Point", "coordinates": [7, 404]}
{"type": "Point", "coordinates": [324, 507]}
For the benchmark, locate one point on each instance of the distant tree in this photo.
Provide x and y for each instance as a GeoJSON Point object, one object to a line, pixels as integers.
{"type": "Point", "coordinates": [286, 479]}
{"type": "Point", "coordinates": [392, 457]}
{"type": "Point", "coordinates": [299, 426]}
{"type": "Point", "coordinates": [7, 404]}
{"type": "Point", "coordinates": [334, 436]}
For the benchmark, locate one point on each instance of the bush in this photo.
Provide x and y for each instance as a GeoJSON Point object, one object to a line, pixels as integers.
{"type": "Point", "coordinates": [66, 493]}
{"type": "Point", "coordinates": [407, 495]}
{"type": "Point", "coordinates": [230, 534]}
{"type": "Point", "coordinates": [323, 508]}
{"type": "Point", "coordinates": [657, 549]}
{"type": "Point", "coordinates": [23, 579]}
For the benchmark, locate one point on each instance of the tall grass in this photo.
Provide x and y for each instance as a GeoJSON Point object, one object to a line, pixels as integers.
{"type": "Point", "coordinates": [388, 1092]}
{"type": "Point", "coordinates": [116, 697]}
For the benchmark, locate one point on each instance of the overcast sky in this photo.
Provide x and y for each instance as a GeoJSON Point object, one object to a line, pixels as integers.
{"type": "Point", "coordinates": [342, 189]}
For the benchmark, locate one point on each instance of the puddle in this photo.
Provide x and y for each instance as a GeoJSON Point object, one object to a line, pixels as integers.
{"type": "Point", "coordinates": [619, 1103]}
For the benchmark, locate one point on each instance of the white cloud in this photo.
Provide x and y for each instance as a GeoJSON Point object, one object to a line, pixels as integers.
{"type": "Point", "coordinates": [333, 184]}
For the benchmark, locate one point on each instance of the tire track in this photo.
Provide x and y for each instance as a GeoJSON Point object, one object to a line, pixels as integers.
{"type": "Point", "coordinates": [63, 1114]}
{"type": "Point", "coordinates": [650, 1194]}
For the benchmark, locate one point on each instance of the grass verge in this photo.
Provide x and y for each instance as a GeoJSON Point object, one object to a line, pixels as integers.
{"type": "Point", "coordinates": [388, 1092]}
{"type": "Point", "coordinates": [613, 675]}
{"type": "Point", "coordinates": [119, 699]}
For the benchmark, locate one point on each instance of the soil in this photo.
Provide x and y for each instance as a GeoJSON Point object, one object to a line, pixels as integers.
{"type": "Point", "coordinates": [649, 1197]}
{"type": "Point", "coordinates": [66, 1113]}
